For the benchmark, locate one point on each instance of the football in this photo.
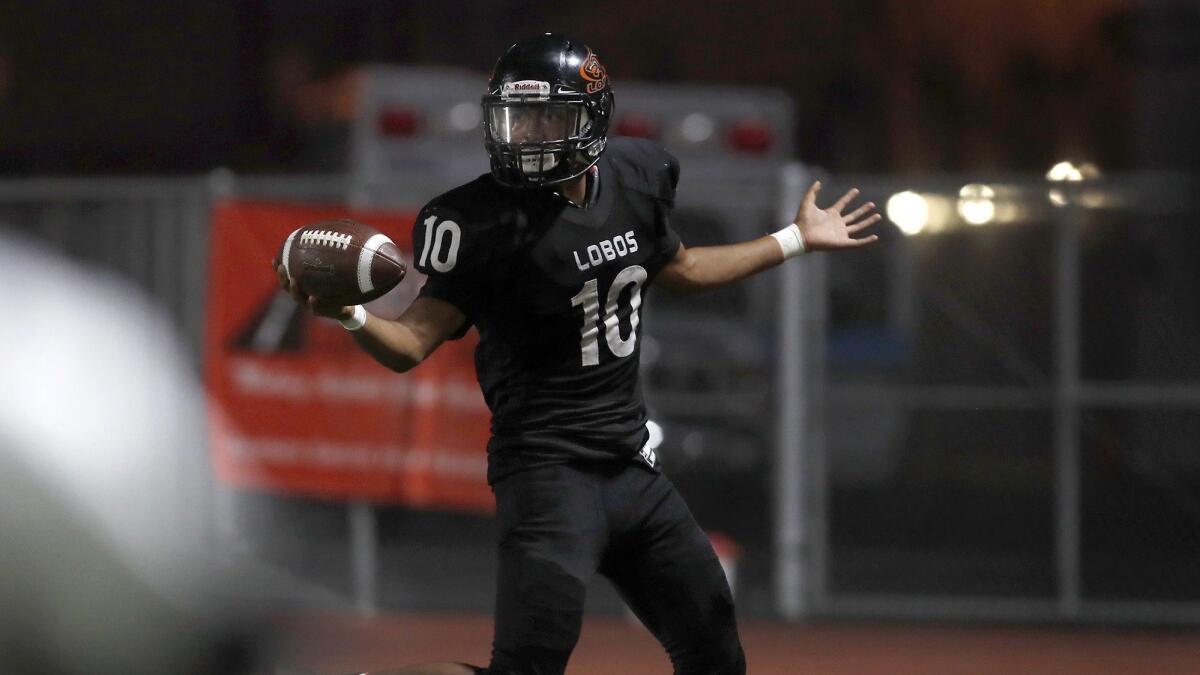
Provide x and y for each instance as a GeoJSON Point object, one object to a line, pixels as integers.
{"type": "Point", "coordinates": [342, 261]}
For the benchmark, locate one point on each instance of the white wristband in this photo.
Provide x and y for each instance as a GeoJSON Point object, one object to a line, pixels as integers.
{"type": "Point", "coordinates": [357, 320]}
{"type": "Point", "coordinates": [790, 241]}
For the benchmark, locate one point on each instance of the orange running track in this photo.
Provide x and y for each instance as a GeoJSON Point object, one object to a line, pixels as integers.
{"type": "Point", "coordinates": [329, 644]}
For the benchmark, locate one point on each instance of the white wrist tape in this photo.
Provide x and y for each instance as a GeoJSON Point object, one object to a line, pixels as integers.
{"type": "Point", "coordinates": [790, 240]}
{"type": "Point", "coordinates": [357, 320]}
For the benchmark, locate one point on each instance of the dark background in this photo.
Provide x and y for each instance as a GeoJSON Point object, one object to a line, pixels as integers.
{"type": "Point", "coordinates": [137, 86]}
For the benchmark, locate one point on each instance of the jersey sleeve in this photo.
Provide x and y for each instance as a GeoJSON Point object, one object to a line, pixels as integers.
{"type": "Point", "coordinates": [448, 252]}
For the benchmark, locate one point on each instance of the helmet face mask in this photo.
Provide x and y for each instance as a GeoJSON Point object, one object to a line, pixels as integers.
{"type": "Point", "coordinates": [546, 112]}
{"type": "Point", "coordinates": [540, 134]}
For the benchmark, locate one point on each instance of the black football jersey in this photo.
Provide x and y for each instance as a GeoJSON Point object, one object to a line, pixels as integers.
{"type": "Point", "coordinates": [556, 292]}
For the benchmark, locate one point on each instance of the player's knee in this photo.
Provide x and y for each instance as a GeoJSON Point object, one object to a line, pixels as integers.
{"type": "Point", "coordinates": [714, 648]}
{"type": "Point", "coordinates": [537, 632]}
{"type": "Point", "coordinates": [733, 661]}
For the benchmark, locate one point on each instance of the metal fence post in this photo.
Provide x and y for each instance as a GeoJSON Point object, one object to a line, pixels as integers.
{"type": "Point", "coordinates": [363, 551]}
{"type": "Point", "coordinates": [1066, 409]}
{"type": "Point", "coordinates": [364, 536]}
{"type": "Point", "coordinates": [793, 536]}
{"type": "Point", "coordinates": [790, 426]}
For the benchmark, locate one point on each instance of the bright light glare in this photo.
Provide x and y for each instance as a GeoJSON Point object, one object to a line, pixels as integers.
{"type": "Point", "coordinates": [697, 128]}
{"type": "Point", "coordinates": [909, 211]}
{"type": "Point", "coordinates": [976, 205]}
{"type": "Point", "coordinates": [1066, 171]}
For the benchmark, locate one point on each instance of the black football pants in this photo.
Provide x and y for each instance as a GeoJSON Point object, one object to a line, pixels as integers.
{"type": "Point", "coordinates": [560, 524]}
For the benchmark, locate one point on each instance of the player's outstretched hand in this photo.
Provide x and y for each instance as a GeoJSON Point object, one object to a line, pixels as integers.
{"type": "Point", "coordinates": [830, 229]}
{"type": "Point", "coordinates": [325, 309]}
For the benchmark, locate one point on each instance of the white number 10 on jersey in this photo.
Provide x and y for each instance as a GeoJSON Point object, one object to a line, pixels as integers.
{"type": "Point", "coordinates": [589, 299]}
{"type": "Point", "coordinates": [441, 257]}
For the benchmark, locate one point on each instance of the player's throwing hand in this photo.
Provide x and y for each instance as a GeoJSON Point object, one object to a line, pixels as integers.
{"type": "Point", "coordinates": [331, 310]}
{"type": "Point", "coordinates": [829, 229]}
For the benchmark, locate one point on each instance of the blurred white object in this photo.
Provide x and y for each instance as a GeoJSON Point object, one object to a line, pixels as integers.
{"type": "Point", "coordinates": [103, 478]}
{"type": "Point", "coordinates": [697, 128]}
{"type": "Point", "coordinates": [98, 401]}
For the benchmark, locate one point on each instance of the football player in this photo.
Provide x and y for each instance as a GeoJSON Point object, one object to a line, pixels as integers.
{"type": "Point", "coordinates": [548, 257]}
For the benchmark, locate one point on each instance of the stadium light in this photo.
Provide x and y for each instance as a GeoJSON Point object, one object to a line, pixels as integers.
{"type": "Point", "coordinates": [1069, 172]}
{"type": "Point", "coordinates": [1064, 171]}
{"type": "Point", "coordinates": [976, 203]}
{"type": "Point", "coordinates": [909, 211]}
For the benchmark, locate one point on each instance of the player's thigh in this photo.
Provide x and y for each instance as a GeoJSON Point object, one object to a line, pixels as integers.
{"type": "Point", "coordinates": [550, 536]}
{"type": "Point", "coordinates": [673, 580]}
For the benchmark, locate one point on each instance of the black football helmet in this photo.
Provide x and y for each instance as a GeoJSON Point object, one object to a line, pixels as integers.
{"type": "Point", "coordinates": [546, 111]}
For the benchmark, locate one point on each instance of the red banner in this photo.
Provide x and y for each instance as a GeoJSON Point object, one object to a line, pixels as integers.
{"type": "Point", "coordinates": [296, 406]}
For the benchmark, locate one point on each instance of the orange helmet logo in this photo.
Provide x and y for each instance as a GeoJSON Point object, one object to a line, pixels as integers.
{"type": "Point", "coordinates": [594, 73]}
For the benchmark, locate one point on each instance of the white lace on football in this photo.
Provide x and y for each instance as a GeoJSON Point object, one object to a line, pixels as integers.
{"type": "Point", "coordinates": [326, 238]}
